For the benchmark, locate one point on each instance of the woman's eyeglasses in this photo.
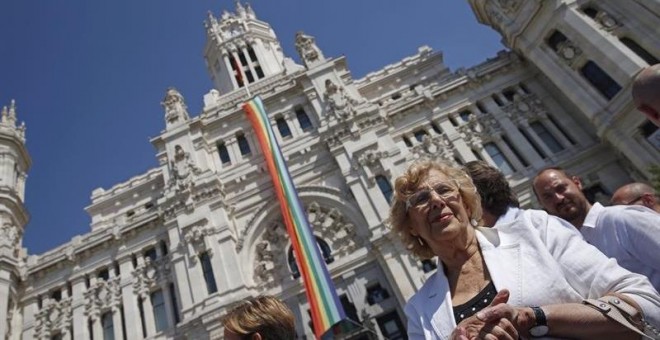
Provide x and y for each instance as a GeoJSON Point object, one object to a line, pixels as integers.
{"type": "Point", "coordinates": [423, 196]}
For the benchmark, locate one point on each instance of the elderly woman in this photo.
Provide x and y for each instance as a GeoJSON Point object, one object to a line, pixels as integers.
{"type": "Point", "coordinates": [527, 278]}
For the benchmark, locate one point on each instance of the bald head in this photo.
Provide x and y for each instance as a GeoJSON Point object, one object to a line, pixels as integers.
{"type": "Point", "coordinates": [646, 93]}
{"type": "Point", "coordinates": [637, 194]}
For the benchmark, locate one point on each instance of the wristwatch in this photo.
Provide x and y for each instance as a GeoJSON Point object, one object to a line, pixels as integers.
{"type": "Point", "coordinates": [540, 328]}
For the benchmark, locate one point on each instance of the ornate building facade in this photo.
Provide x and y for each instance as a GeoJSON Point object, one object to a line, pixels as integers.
{"type": "Point", "coordinates": [170, 250]}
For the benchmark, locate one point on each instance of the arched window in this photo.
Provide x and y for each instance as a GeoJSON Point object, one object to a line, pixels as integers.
{"type": "Point", "coordinates": [223, 153]}
{"type": "Point", "coordinates": [283, 127]}
{"type": "Point", "coordinates": [243, 144]}
{"type": "Point", "coordinates": [385, 187]}
{"type": "Point", "coordinates": [419, 134]}
{"type": "Point", "coordinates": [326, 252]}
{"type": "Point", "coordinates": [108, 326]}
{"type": "Point", "coordinates": [207, 270]}
{"type": "Point", "coordinates": [303, 119]}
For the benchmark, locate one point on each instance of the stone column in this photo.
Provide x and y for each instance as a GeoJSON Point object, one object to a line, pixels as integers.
{"type": "Point", "coordinates": [117, 323]}
{"type": "Point", "coordinates": [129, 300]}
{"type": "Point", "coordinates": [30, 310]}
{"type": "Point", "coordinates": [230, 70]}
{"type": "Point", "coordinates": [148, 309]}
{"type": "Point", "coordinates": [97, 327]}
{"type": "Point", "coordinates": [5, 284]}
{"type": "Point", "coordinates": [78, 307]}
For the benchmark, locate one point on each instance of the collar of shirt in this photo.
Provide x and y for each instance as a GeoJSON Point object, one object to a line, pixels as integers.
{"type": "Point", "coordinates": [592, 215]}
{"type": "Point", "coordinates": [509, 216]}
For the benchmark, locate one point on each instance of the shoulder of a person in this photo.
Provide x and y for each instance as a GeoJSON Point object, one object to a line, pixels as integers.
{"type": "Point", "coordinates": [627, 214]}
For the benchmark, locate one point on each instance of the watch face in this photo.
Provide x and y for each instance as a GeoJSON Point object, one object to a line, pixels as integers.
{"type": "Point", "coordinates": [540, 330]}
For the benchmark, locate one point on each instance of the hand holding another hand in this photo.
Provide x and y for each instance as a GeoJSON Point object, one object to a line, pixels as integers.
{"type": "Point", "coordinates": [498, 321]}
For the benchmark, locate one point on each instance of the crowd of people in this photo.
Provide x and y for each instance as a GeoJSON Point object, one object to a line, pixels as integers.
{"type": "Point", "coordinates": [575, 269]}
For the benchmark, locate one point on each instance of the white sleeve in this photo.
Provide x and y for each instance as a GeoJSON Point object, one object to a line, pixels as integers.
{"type": "Point", "coordinates": [415, 329]}
{"type": "Point", "coordinates": [639, 232]}
{"type": "Point", "coordinates": [592, 274]}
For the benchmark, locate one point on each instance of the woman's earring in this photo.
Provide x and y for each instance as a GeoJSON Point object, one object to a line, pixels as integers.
{"type": "Point", "coordinates": [419, 240]}
{"type": "Point", "coordinates": [474, 222]}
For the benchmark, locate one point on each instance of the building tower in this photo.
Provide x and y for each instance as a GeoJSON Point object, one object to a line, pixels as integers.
{"type": "Point", "coordinates": [590, 51]}
{"type": "Point", "coordinates": [241, 49]}
{"type": "Point", "coordinates": [14, 164]}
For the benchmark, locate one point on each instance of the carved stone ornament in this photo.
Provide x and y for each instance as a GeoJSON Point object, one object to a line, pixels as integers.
{"type": "Point", "coordinates": [607, 21]}
{"type": "Point", "coordinates": [338, 103]}
{"type": "Point", "coordinates": [569, 52]}
{"type": "Point", "coordinates": [509, 6]}
{"type": "Point", "coordinates": [54, 317]}
{"type": "Point", "coordinates": [101, 297]}
{"type": "Point", "coordinates": [371, 157]}
{"type": "Point", "coordinates": [271, 251]}
{"type": "Point", "coordinates": [525, 108]}
{"type": "Point", "coordinates": [478, 130]}
{"type": "Point", "coordinates": [175, 107]}
{"type": "Point", "coordinates": [10, 235]}
{"type": "Point", "coordinates": [151, 274]}
{"type": "Point", "coordinates": [307, 50]}
{"type": "Point", "coordinates": [436, 147]}
{"type": "Point", "coordinates": [182, 169]}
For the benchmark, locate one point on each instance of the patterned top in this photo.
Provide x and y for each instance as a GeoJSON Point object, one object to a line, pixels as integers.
{"type": "Point", "coordinates": [477, 303]}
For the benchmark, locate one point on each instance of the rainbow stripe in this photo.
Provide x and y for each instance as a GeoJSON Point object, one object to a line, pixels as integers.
{"type": "Point", "coordinates": [325, 307]}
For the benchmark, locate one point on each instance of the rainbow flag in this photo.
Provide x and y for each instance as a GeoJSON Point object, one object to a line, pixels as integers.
{"type": "Point", "coordinates": [326, 310]}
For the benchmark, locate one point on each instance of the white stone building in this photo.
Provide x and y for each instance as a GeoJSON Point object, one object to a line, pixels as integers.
{"type": "Point", "coordinates": [171, 249]}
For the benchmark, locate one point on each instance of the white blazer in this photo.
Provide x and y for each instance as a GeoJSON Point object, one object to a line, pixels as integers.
{"type": "Point", "coordinates": [541, 260]}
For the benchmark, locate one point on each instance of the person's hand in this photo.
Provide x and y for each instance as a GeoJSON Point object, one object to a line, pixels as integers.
{"type": "Point", "coordinates": [490, 327]}
{"type": "Point", "coordinates": [521, 318]}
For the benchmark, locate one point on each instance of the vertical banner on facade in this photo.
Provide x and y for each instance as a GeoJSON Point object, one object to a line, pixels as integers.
{"type": "Point", "coordinates": [325, 307]}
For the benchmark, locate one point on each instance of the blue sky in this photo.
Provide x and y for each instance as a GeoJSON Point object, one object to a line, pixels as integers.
{"type": "Point", "coordinates": [88, 78]}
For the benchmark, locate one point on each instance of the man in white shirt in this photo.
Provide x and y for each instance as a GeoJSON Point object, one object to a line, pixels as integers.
{"type": "Point", "coordinates": [637, 194]}
{"type": "Point", "coordinates": [630, 234]}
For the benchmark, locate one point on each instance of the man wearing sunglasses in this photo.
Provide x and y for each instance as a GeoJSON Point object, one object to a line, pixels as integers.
{"type": "Point", "coordinates": [637, 194]}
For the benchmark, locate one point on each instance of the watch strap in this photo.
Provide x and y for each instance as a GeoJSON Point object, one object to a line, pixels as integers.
{"type": "Point", "coordinates": [539, 316]}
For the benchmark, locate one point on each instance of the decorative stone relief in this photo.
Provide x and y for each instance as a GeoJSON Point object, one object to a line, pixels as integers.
{"type": "Point", "coordinates": [436, 147]}
{"type": "Point", "coordinates": [307, 49]}
{"type": "Point", "coordinates": [478, 130]}
{"type": "Point", "coordinates": [569, 52]}
{"type": "Point", "coordinates": [271, 251]}
{"type": "Point", "coordinates": [175, 107]}
{"type": "Point", "coordinates": [151, 274]}
{"type": "Point", "coordinates": [370, 158]}
{"type": "Point", "coordinates": [338, 103]}
{"type": "Point", "coordinates": [101, 297]}
{"type": "Point", "coordinates": [182, 169]}
{"type": "Point", "coordinates": [607, 21]}
{"type": "Point", "coordinates": [195, 237]}
{"type": "Point", "coordinates": [54, 317]}
{"type": "Point", "coordinates": [509, 6]}
{"type": "Point", "coordinates": [10, 235]}
{"type": "Point", "coordinates": [525, 108]}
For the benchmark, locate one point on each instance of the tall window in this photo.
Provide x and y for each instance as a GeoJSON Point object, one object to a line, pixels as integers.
{"type": "Point", "coordinates": [283, 127]}
{"type": "Point", "coordinates": [175, 304]}
{"type": "Point", "coordinates": [108, 326]}
{"type": "Point", "coordinates": [160, 311]}
{"type": "Point", "coordinates": [243, 144]}
{"type": "Point", "coordinates": [207, 269]}
{"type": "Point", "coordinates": [602, 81]}
{"type": "Point", "coordinates": [509, 94]}
{"type": "Point", "coordinates": [561, 130]}
{"type": "Point", "coordinates": [237, 72]}
{"type": "Point", "coordinates": [151, 254]}
{"type": "Point", "coordinates": [385, 187]}
{"type": "Point", "coordinates": [548, 139]}
{"type": "Point", "coordinates": [303, 119]}
{"type": "Point", "coordinates": [640, 51]}
{"type": "Point", "coordinates": [223, 153]}
{"type": "Point", "coordinates": [498, 157]}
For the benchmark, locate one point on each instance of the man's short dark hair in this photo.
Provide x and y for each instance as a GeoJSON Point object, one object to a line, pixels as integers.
{"type": "Point", "coordinates": [496, 194]}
